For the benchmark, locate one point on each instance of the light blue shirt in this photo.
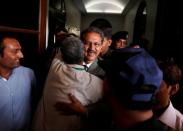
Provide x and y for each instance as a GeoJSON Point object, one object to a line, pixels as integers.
{"type": "Point", "coordinates": [15, 99]}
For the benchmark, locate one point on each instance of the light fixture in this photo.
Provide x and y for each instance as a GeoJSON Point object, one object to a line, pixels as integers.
{"type": "Point", "coordinates": [101, 6]}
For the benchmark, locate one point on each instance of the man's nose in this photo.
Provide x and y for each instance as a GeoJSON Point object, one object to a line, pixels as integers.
{"type": "Point", "coordinates": [20, 54]}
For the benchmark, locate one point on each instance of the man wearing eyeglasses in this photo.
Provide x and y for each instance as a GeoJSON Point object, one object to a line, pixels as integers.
{"type": "Point", "coordinates": [98, 114]}
{"type": "Point", "coordinates": [93, 38]}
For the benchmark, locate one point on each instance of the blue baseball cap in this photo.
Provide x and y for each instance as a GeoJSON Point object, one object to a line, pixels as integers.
{"type": "Point", "coordinates": [134, 76]}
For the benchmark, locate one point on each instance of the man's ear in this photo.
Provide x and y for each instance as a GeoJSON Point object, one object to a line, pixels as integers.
{"type": "Point", "coordinates": [109, 42]}
{"type": "Point", "coordinates": [174, 89]}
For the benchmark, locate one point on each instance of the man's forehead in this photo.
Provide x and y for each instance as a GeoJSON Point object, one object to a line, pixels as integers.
{"type": "Point", "coordinates": [11, 43]}
{"type": "Point", "coordinates": [93, 38]}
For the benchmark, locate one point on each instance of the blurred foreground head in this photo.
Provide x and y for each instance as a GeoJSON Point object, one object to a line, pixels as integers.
{"type": "Point", "coordinates": [133, 77]}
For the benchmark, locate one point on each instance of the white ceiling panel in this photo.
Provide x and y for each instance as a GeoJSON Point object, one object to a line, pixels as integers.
{"type": "Point", "coordinates": [102, 6]}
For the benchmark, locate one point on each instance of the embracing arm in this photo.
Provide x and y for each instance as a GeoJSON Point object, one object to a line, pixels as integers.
{"type": "Point", "coordinates": [75, 107]}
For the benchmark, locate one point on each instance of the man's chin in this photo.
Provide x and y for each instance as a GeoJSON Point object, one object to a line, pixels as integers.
{"type": "Point", "coordinates": [91, 58]}
{"type": "Point", "coordinates": [16, 65]}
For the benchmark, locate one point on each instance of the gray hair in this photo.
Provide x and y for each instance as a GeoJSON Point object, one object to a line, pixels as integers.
{"type": "Point", "coordinates": [92, 29]}
{"type": "Point", "coordinates": [72, 50]}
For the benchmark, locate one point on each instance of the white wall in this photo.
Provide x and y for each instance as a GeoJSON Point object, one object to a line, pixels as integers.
{"type": "Point", "coordinates": [76, 22]}
{"type": "Point", "coordinates": [129, 18]}
{"type": "Point", "coordinates": [73, 17]}
{"type": "Point", "coordinates": [128, 22]}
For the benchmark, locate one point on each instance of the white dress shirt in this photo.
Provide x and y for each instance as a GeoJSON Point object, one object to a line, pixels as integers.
{"type": "Point", "coordinates": [172, 118]}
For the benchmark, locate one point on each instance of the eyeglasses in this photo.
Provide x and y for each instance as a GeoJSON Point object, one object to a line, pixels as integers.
{"type": "Point", "coordinates": [89, 43]}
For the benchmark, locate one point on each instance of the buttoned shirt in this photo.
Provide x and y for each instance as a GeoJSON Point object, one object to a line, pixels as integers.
{"type": "Point", "coordinates": [15, 100]}
{"type": "Point", "coordinates": [95, 69]}
{"type": "Point", "coordinates": [86, 66]}
{"type": "Point", "coordinates": [172, 118]}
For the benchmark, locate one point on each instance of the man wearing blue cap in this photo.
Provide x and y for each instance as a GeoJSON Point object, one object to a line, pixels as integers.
{"type": "Point", "coordinates": [132, 79]}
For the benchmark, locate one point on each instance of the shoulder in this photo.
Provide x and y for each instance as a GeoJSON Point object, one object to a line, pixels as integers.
{"type": "Point", "coordinates": [95, 78]}
{"type": "Point", "coordinates": [57, 65]}
{"type": "Point", "coordinates": [95, 66]}
{"type": "Point", "coordinates": [152, 124]}
{"type": "Point", "coordinates": [24, 71]}
{"type": "Point", "coordinates": [179, 115]}
{"type": "Point", "coordinates": [171, 117]}
{"type": "Point", "coordinates": [95, 69]}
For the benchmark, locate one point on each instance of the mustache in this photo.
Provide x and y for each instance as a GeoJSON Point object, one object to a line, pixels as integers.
{"type": "Point", "coordinates": [91, 51]}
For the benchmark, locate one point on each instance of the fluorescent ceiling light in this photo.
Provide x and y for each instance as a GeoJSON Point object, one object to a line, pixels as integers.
{"type": "Point", "coordinates": [104, 7]}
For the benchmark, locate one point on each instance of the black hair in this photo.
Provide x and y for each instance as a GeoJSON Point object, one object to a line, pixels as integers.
{"type": "Point", "coordinates": [1, 46]}
{"type": "Point", "coordinates": [171, 72]}
{"type": "Point", "coordinates": [104, 25]}
{"type": "Point", "coordinates": [101, 23]}
{"type": "Point", "coordinates": [120, 35]}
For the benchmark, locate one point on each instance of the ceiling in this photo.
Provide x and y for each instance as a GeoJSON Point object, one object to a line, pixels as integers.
{"type": "Point", "coordinates": [101, 6]}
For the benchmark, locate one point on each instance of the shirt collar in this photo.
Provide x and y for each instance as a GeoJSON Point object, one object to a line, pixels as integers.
{"type": "Point", "coordinates": [169, 116]}
{"type": "Point", "coordinates": [88, 65]}
{"type": "Point", "coordinates": [77, 67]}
{"type": "Point", "coordinates": [4, 79]}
